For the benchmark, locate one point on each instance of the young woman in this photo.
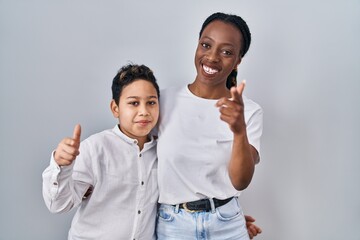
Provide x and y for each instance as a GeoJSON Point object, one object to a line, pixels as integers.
{"type": "Point", "coordinates": [209, 140]}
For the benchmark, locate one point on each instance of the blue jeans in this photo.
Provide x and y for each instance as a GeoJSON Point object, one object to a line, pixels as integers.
{"type": "Point", "coordinates": [222, 223]}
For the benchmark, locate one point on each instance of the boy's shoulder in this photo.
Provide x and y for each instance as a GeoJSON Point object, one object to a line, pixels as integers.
{"type": "Point", "coordinates": [100, 136]}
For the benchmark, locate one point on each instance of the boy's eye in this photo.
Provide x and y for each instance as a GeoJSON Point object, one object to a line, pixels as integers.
{"type": "Point", "coordinates": [152, 102]}
{"type": "Point", "coordinates": [134, 103]}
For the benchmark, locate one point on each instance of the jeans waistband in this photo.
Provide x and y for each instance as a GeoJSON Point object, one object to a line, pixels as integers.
{"type": "Point", "coordinates": [204, 204]}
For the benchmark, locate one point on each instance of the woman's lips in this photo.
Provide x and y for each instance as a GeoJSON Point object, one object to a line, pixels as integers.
{"type": "Point", "coordinates": [209, 70]}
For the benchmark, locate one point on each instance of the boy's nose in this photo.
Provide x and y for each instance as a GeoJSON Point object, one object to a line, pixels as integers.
{"type": "Point", "coordinates": [143, 111]}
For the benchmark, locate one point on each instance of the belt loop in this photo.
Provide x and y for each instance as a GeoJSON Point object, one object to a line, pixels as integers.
{"type": "Point", "coordinates": [176, 210]}
{"type": "Point", "coordinates": [212, 204]}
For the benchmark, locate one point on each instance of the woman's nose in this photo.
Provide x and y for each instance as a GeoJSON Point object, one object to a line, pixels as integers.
{"type": "Point", "coordinates": [212, 56]}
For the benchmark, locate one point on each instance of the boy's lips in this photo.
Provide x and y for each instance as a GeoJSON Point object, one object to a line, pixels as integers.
{"type": "Point", "coordinates": [143, 122]}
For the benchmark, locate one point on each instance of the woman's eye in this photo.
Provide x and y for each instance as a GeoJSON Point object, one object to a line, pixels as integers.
{"type": "Point", "coordinates": [226, 52]}
{"type": "Point", "coordinates": [205, 45]}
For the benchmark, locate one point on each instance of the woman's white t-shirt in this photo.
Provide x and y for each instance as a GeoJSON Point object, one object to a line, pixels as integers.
{"type": "Point", "coordinates": [194, 146]}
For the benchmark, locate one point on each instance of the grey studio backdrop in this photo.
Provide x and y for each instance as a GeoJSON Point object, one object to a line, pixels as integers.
{"type": "Point", "coordinates": [57, 60]}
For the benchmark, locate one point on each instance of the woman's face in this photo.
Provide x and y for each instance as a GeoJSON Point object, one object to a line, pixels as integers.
{"type": "Point", "coordinates": [217, 53]}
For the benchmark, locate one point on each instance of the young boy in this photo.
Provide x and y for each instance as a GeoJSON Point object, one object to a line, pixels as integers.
{"type": "Point", "coordinates": [112, 175]}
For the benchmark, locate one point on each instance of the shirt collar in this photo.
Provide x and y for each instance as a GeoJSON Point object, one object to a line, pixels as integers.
{"type": "Point", "coordinates": [129, 140]}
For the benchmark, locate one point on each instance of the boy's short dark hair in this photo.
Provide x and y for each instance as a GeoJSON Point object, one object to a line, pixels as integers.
{"type": "Point", "coordinates": [128, 74]}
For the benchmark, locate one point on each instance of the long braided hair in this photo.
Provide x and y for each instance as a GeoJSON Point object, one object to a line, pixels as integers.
{"type": "Point", "coordinates": [240, 24]}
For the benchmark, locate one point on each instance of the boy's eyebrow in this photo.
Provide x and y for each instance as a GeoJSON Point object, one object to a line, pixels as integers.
{"type": "Point", "coordinates": [137, 97]}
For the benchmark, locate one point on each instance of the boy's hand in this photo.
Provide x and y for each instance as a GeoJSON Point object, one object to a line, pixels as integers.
{"type": "Point", "coordinates": [253, 230]}
{"type": "Point", "coordinates": [68, 148]}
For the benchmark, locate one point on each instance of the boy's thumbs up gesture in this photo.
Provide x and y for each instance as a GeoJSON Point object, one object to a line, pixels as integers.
{"type": "Point", "coordinates": [68, 148]}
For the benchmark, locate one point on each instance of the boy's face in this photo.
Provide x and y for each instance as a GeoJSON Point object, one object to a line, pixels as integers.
{"type": "Point", "coordinates": [138, 109]}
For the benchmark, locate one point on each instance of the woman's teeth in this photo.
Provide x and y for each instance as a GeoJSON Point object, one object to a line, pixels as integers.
{"type": "Point", "coordinates": [209, 70]}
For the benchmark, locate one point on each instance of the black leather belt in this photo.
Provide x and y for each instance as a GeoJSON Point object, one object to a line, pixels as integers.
{"type": "Point", "coordinates": [203, 205]}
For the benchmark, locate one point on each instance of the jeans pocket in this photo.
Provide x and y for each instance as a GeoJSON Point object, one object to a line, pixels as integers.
{"type": "Point", "coordinates": [166, 214]}
{"type": "Point", "coordinates": [229, 211]}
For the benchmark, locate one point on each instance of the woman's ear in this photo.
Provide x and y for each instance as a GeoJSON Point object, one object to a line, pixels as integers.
{"type": "Point", "coordinates": [114, 108]}
{"type": "Point", "coordinates": [239, 61]}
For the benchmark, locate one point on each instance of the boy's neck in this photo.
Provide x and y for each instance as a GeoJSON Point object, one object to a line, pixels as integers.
{"type": "Point", "coordinates": [142, 141]}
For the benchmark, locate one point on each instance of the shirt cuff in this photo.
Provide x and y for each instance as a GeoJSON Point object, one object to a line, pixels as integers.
{"type": "Point", "coordinates": [63, 169]}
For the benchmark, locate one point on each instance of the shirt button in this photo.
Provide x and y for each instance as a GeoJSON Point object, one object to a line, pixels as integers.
{"type": "Point", "coordinates": [142, 182]}
{"type": "Point", "coordinates": [140, 155]}
{"type": "Point", "coordinates": [139, 212]}
{"type": "Point", "coordinates": [55, 183]}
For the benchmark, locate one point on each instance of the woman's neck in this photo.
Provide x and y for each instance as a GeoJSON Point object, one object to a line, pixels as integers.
{"type": "Point", "coordinates": [208, 92]}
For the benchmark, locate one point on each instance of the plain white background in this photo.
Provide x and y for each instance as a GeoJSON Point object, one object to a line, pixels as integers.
{"type": "Point", "coordinates": [57, 60]}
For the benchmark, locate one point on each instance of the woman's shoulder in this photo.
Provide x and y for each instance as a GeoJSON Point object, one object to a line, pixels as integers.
{"type": "Point", "coordinates": [172, 90]}
{"type": "Point", "coordinates": [250, 105]}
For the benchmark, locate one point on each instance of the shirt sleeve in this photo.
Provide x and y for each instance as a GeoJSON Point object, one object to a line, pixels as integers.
{"type": "Point", "coordinates": [61, 192]}
{"type": "Point", "coordinates": [254, 128]}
